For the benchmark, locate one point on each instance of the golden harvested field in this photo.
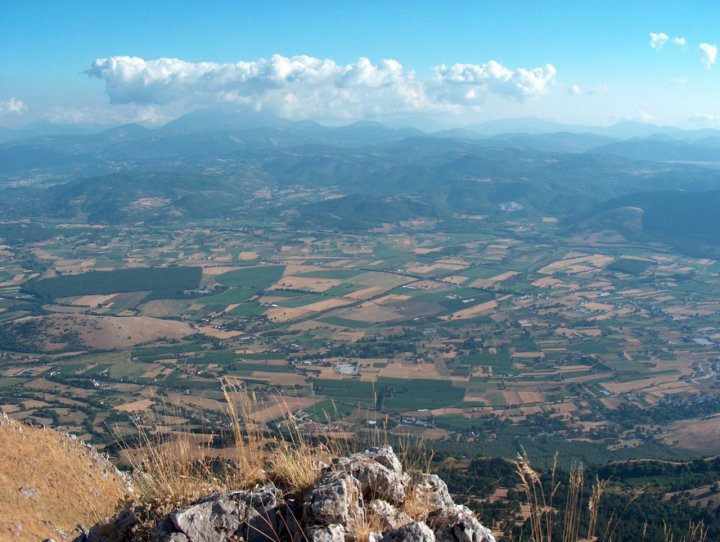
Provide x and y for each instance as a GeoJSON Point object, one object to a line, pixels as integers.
{"type": "Point", "coordinates": [477, 310]}
{"type": "Point", "coordinates": [431, 268]}
{"type": "Point", "coordinates": [391, 298]}
{"type": "Point", "coordinates": [423, 250]}
{"type": "Point", "coordinates": [382, 280]}
{"type": "Point", "coordinates": [426, 371]}
{"type": "Point", "coordinates": [206, 403]}
{"type": "Point", "coordinates": [211, 271]}
{"type": "Point", "coordinates": [308, 284]}
{"type": "Point", "coordinates": [247, 256]}
{"type": "Point", "coordinates": [90, 300]}
{"type": "Point", "coordinates": [648, 384]}
{"type": "Point", "coordinates": [283, 406]}
{"type": "Point", "coordinates": [140, 405]}
{"type": "Point", "coordinates": [371, 312]}
{"type": "Point", "coordinates": [547, 282]}
{"type": "Point", "coordinates": [492, 281]}
{"type": "Point", "coordinates": [574, 263]}
{"type": "Point", "coordinates": [285, 314]}
{"type": "Point", "coordinates": [455, 279]}
{"type": "Point", "coordinates": [366, 293]}
{"type": "Point", "coordinates": [218, 333]}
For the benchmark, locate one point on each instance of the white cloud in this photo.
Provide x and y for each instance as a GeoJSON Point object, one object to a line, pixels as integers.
{"type": "Point", "coordinates": [470, 83]}
{"type": "Point", "coordinates": [679, 41]}
{"type": "Point", "coordinates": [709, 54]}
{"type": "Point", "coordinates": [577, 90]}
{"type": "Point", "coordinates": [644, 116]}
{"type": "Point", "coordinates": [658, 39]}
{"type": "Point", "coordinates": [304, 86]}
{"type": "Point", "coordinates": [705, 119]}
{"type": "Point", "coordinates": [12, 106]}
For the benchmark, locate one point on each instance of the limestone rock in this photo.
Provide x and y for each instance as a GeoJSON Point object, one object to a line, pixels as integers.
{"type": "Point", "coordinates": [223, 517]}
{"type": "Point", "coordinates": [355, 492]}
{"type": "Point", "coordinates": [416, 531]}
{"type": "Point", "coordinates": [379, 472]}
{"type": "Point", "coordinates": [330, 533]}
{"type": "Point", "coordinates": [389, 516]}
{"type": "Point", "coordinates": [458, 524]}
{"type": "Point", "coordinates": [336, 499]}
{"type": "Point", "coordinates": [433, 492]}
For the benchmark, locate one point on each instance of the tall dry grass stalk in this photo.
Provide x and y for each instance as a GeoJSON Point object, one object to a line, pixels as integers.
{"type": "Point", "coordinates": [571, 522]}
{"type": "Point", "coordinates": [697, 532]}
{"type": "Point", "coordinates": [540, 501]}
{"type": "Point", "coordinates": [296, 463]}
{"type": "Point", "coordinates": [543, 515]}
{"type": "Point", "coordinates": [598, 489]}
{"type": "Point", "coordinates": [248, 464]}
{"type": "Point", "coordinates": [171, 469]}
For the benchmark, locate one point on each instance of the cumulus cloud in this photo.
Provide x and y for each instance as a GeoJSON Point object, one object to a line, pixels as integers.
{"type": "Point", "coordinates": [304, 86]}
{"type": "Point", "coordinates": [470, 83]}
{"type": "Point", "coordinates": [679, 41]}
{"type": "Point", "coordinates": [709, 54]}
{"type": "Point", "coordinates": [12, 106]}
{"type": "Point", "coordinates": [658, 39]}
{"type": "Point", "coordinates": [577, 90]}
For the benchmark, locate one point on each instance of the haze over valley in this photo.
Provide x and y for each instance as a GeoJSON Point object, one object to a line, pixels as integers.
{"type": "Point", "coordinates": [481, 257]}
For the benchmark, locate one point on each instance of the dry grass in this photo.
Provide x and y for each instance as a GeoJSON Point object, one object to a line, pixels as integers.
{"type": "Point", "coordinates": [543, 514]}
{"type": "Point", "coordinates": [697, 532]}
{"type": "Point", "coordinates": [417, 504]}
{"type": "Point", "coordinates": [365, 526]}
{"type": "Point", "coordinates": [66, 485]}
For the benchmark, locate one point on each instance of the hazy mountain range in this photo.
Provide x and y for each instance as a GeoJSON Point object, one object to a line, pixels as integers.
{"type": "Point", "coordinates": [209, 163]}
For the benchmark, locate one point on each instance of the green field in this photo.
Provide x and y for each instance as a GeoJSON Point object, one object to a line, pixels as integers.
{"type": "Point", "coordinates": [253, 278]}
{"type": "Point", "coordinates": [118, 281]}
{"type": "Point", "coordinates": [399, 394]}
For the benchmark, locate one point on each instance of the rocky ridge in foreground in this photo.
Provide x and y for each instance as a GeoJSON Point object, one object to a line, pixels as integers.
{"type": "Point", "coordinates": [365, 497]}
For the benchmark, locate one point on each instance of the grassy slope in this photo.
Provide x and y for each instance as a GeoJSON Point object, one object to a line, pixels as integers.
{"type": "Point", "coordinates": [72, 488]}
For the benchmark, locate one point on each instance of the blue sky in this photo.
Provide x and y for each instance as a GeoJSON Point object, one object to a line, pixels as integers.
{"type": "Point", "coordinates": [452, 61]}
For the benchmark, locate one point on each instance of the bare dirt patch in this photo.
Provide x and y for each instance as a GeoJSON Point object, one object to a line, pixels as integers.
{"type": "Point", "coordinates": [425, 371]}
{"type": "Point", "coordinates": [222, 334]}
{"type": "Point", "coordinates": [66, 486]}
{"type": "Point", "coordinates": [308, 284]}
{"type": "Point", "coordinates": [492, 281]}
{"type": "Point", "coordinates": [58, 331]}
{"type": "Point", "coordinates": [372, 313]}
{"type": "Point", "coordinates": [212, 271]}
{"type": "Point", "coordinates": [477, 310]}
{"type": "Point", "coordinates": [136, 406]}
{"type": "Point", "coordinates": [699, 435]}
{"type": "Point", "coordinates": [282, 407]}
{"type": "Point", "coordinates": [577, 263]}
